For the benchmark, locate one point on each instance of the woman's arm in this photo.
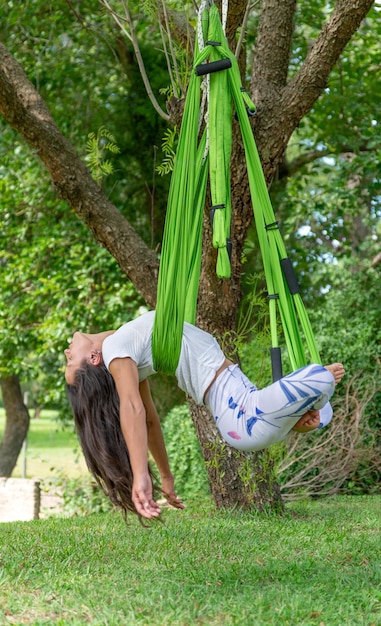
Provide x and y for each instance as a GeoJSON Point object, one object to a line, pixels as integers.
{"type": "Point", "coordinates": [133, 424]}
{"type": "Point", "coordinates": [157, 447]}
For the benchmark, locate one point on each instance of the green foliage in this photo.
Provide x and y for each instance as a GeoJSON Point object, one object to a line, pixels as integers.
{"type": "Point", "coordinates": [88, 78]}
{"type": "Point", "coordinates": [80, 495]}
{"type": "Point", "coordinates": [253, 331]}
{"type": "Point", "coordinates": [329, 205]}
{"type": "Point", "coordinates": [347, 326]}
{"type": "Point", "coordinates": [169, 151]}
{"type": "Point", "coordinates": [216, 453]}
{"type": "Point", "coordinates": [184, 452]}
{"type": "Point", "coordinates": [97, 145]}
{"type": "Point", "coordinates": [256, 471]}
{"type": "Point", "coordinates": [55, 279]}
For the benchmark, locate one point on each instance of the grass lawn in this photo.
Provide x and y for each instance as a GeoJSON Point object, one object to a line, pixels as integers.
{"type": "Point", "coordinates": [319, 565]}
{"type": "Point", "coordinates": [49, 449]}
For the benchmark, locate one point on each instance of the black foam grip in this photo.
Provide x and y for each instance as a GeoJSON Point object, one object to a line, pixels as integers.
{"type": "Point", "coordinates": [276, 364]}
{"type": "Point", "coordinates": [214, 66]}
{"type": "Point", "coordinates": [229, 247]}
{"type": "Point", "coordinates": [290, 276]}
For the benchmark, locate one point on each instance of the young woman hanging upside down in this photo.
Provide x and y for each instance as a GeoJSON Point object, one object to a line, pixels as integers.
{"type": "Point", "coordinates": [117, 423]}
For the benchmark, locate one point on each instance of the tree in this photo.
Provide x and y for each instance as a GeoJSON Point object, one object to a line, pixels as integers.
{"type": "Point", "coordinates": [284, 90]}
{"type": "Point", "coordinates": [17, 423]}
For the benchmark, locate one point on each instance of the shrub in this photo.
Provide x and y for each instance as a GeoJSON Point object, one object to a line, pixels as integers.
{"type": "Point", "coordinates": [184, 453]}
{"type": "Point", "coordinates": [79, 496]}
{"type": "Point", "coordinates": [343, 458]}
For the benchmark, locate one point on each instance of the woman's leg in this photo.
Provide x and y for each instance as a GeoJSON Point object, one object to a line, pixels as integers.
{"type": "Point", "coordinates": [252, 419]}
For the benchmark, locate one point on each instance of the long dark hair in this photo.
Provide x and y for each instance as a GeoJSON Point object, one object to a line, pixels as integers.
{"type": "Point", "coordinates": [95, 404]}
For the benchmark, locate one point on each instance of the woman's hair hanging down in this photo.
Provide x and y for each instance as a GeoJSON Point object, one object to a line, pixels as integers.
{"type": "Point", "coordinates": [95, 404]}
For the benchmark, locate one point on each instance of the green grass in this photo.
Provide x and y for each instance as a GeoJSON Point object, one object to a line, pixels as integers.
{"type": "Point", "coordinates": [320, 564]}
{"type": "Point", "coordinates": [49, 449]}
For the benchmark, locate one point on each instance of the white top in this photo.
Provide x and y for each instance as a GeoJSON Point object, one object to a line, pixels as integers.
{"type": "Point", "coordinates": [200, 356]}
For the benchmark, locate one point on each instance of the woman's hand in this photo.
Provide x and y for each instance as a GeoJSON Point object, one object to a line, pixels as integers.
{"type": "Point", "coordinates": [157, 447]}
{"type": "Point", "coordinates": [142, 497]}
{"type": "Point", "coordinates": [168, 489]}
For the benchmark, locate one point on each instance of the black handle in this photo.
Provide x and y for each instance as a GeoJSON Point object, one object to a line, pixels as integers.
{"type": "Point", "coordinates": [290, 276]}
{"type": "Point", "coordinates": [276, 364]}
{"type": "Point", "coordinates": [214, 66]}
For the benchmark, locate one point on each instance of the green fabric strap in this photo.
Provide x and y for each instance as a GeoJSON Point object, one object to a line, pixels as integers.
{"type": "Point", "coordinates": [181, 254]}
{"type": "Point", "coordinates": [220, 147]}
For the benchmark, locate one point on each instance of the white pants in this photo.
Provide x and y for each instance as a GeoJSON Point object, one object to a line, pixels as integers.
{"type": "Point", "coordinates": [252, 419]}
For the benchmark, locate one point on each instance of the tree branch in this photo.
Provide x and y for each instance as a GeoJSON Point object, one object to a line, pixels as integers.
{"type": "Point", "coordinates": [273, 46]}
{"type": "Point", "coordinates": [24, 110]}
{"type": "Point", "coordinates": [280, 109]}
{"type": "Point", "coordinates": [289, 168]}
{"type": "Point", "coordinates": [250, 5]}
{"type": "Point", "coordinates": [312, 78]}
{"type": "Point", "coordinates": [131, 35]}
{"type": "Point", "coordinates": [172, 51]}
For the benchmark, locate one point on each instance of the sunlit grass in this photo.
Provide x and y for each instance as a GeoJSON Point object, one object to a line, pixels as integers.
{"type": "Point", "coordinates": [319, 564]}
{"type": "Point", "coordinates": [50, 450]}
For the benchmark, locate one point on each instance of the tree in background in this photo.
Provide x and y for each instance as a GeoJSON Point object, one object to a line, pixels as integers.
{"type": "Point", "coordinates": [293, 62]}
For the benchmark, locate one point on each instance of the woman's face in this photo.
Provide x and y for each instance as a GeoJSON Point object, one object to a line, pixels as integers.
{"type": "Point", "coordinates": [79, 350]}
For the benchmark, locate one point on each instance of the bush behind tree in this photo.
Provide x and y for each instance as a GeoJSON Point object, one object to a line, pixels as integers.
{"type": "Point", "coordinates": [184, 452]}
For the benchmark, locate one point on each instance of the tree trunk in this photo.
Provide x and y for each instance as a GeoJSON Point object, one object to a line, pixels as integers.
{"type": "Point", "coordinates": [16, 426]}
{"type": "Point", "coordinates": [236, 478]}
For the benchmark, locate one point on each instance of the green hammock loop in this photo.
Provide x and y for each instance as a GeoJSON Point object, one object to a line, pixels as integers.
{"type": "Point", "coordinates": [181, 253]}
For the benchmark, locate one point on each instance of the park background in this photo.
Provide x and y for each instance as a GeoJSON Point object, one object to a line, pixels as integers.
{"type": "Point", "coordinates": [56, 277]}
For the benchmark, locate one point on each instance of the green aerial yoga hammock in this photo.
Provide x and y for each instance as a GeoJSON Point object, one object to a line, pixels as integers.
{"type": "Point", "coordinates": [181, 253]}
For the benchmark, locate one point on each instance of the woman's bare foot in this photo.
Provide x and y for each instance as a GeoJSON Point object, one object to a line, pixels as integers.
{"type": "Point", "coordinates": [337, 370]}
{"type": "Point", "coordinates": [309, 421]}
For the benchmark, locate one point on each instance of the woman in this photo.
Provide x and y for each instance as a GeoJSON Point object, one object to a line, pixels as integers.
{"type": "Point", "coordinates": [116, 420]}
